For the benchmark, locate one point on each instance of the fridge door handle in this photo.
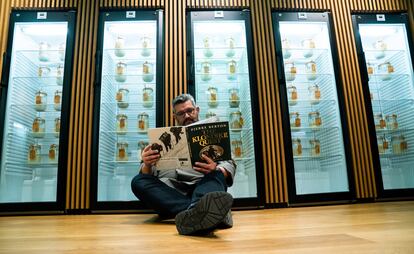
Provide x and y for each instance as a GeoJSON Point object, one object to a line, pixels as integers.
{"type": "Point", "coordinates": [4, 70]}
{"type": "Point", "coordinates": [98, 60]}
{"type": "Point", "coordinates": [279, 70]}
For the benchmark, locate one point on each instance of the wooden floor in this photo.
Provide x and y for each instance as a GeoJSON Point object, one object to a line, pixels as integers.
{"type": "Point", "coordinates": [358, 228]}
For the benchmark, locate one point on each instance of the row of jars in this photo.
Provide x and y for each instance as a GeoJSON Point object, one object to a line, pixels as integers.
{"type": "Point", "coordinates": [121, 72]}
{"type": "Point", "coordinates": [385, 70]}
{"type": "Point", "coordinates": [314, 147]}
{"type": "Point", "coordinates": [34, 154]}
{"type": "Point", "coordinates": [213, 100]}
{"type": "Point", "coordinates": [45, 52]}
{"type": "Point", "coordinates": [314, 119]}
{"type": "Point", "coordinates": [399, 144]}
{"type": "Point", "coordinates": [120, 46]}
{"type": "Point", "coordinates": [39, 127]}
{"type": "Point", "coordinates": [122, 97]}
{"type": "Point", "coordinates": [229, 45]}
{"type": "Point", "coordinates": [40, 102]}
{"type": "Point", "coordinates": [44, 71]}
{"type": "Point", "coordinates": [310, 71]}
{"type": "Point", "coordinates": [206, 70]}
{"type": "Point", "coordinates": [308, 46]}
{"type": "Point", "coordinates": [314, 94]}
{"type": "Point", "coordinates": [389, 122]}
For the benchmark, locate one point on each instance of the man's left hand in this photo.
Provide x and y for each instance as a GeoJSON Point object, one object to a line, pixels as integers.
{"type": "Point", "coordinates": [207, 167]}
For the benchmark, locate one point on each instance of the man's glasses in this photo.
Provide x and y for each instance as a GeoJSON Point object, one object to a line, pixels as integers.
{"type": "Point", "coordinates": [186, 111]}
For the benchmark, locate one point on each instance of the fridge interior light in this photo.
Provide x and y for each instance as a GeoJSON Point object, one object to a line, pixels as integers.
{"type": "Point", "coordinates": [131, 27]}
{"type": "Point", "coordinates": [304, 29]}
{"type": "Point", "coordinates": [45, 29]}
{"type": "Point", "coordinates": [375, 30]}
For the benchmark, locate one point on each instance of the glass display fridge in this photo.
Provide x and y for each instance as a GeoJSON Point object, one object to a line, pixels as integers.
{"type": "Point", "coordinates": [128, 101]}
{"type": "Point", "coordinates": [221, 78]}
{"type": "Point", "coordinates": [385, 54]}
{"type": "Point", "coordinates": [35, 97]}
{"type": "Point", "coordinates": [317, 158]}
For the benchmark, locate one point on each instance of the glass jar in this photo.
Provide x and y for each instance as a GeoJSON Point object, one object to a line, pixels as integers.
{"type": "Point", "coordinates": [57, 100]}
{"type": "Point", "coordinates": [295, 121]}
{"type": "Point", "coordinates": [44, 51]}
{"type": "Point", "coordinates": [43, 71]}
{"type": "Point", "coordinates": [119, 46]}
{"type": "Point", "coordinates": [314, 94]}
{"type": "Point", "coordinates": [311, 70]}
{"type": "Point", "coordinates": [33, 155]}
{"type": "Point", "coordinates": [141, 147]}
{"type": "Point", "coordinates": [380, 47]}
{"type": "Point", "coordinates": [205, 71]}
{"type": "Point", "coordinates": [314, 119]}
{"type": "Point", "coordinates": [237, 148]}
{"type": "Point", "coordinates": [315, 147]}
{"type": "Point", "coordinates": [286, 49]}
{"type": "Point", "coordinates": [399, 144]}
{"type": "Point", "coordinates": [61, 52]}
{"type": "Point", "coordinates": [57, 127]}
{"type": "Point", "coordinates": [59, 75]}
{"type": "Point", "coordinates": [234, 98]}
{"type": "Point", "coordinates": [236, 121]}
{"type": "Point", "coordinates": [206, 47]}
{"type": "Point", "coordinates": [293, 94]}
{"type": "Point", "coordinates": [391, 120]}
{"type": "Point", "coordinates": [53, 153]}
{"type": "Point", "coordinates": [38, 127]}
{"type": "Point", "coordinates": [212, 97]}
{"type": "Point", "coordinates": [40, 101]}
{"type": "Point", "coordinates": [297, 147]}
{"type": "Point", "coordinates": [385, 71]}
{"type": "Point", "coordinates": [122, 124]}
{"type": "Point", "coordinates": [120, 72]}
{"type": "Point", "coordinates": [121, 151]}
{"type": "Point", "coordinates": [379, 121]}
{"type": "Point", "coordinates": [143, 122]}
{"type": "Point", "coordinates": [230, 52]}
{"type": "Point", "coordinates": [308, 46]}
{"type": "Point", "coordinates": [232, 69]}
{"type": "Point", "coordinates": [147, 72]}
{"type": "Point", "coordinates": [147, 97]}
{"type": "Point", "coordinates": [145, 44]}
{"type": "Point", "coordinates": [290, 71]}
{"type": "Point", "coordinates": [122, 98]}
{"type": "Point", "coordinates": [382, 144]}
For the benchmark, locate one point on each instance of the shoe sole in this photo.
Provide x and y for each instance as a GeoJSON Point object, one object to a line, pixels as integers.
{"type": "Point", "coordinates": [206, 214]}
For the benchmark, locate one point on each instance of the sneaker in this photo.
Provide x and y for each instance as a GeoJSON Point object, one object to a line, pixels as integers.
{"type": "Point", "coordinates": [205, 215]}
{"type": "Point", "coordinates": [227, 222]}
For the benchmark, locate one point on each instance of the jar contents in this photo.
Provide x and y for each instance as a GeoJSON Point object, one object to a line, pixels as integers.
{"type": "Point", "coordinates": [122, 97]}
{"type": "Point", "coordinates": [314, 94]}
{"type": "Point", "coordinates": [295, 121]}
{"type": "Point", "coordinates": [290, 71]}
{"type": "Point", "coordinates": [145, 44]}
{"type": "Point", "coordinates": [385, 71]}
{"type": "Point", "coordinates": [62, 51]}
{"type": "Point", "coordinates": [237, 149]}
{"type": "Point", "coordinates": [392, 123]}
{"type": "Point", "coordinates": [44, 51]}
{"type": "Point", "coordinates": [379, 121]}
{"type": "Point", "coordinates": [234, 100]}
{"type": "Point", "coordinates": [43, 71]}
{"type": "Point", "coordinates": [297, 147]}
{"type": "Point", "coordinates": [205, 71]}
{"type": "Point", "coordinates": [230, 52]}
{"type": "Point", "coordinates": [293, 95]}
{"type": "Point", "coordinates": [148, 97]}
{"type": "Point", "coordinates": [59, 75]}
{"type": "Point", "coordinates": [315, 146]}
{"type": "Point", "coordinates": [314, 119]}
{"type": "Point", "coordinates": [143, 122]}
{"type": "Point", "coordinates": [38, 127]}
{"type": "Point", "coordinates": [212, 97]}
{"type": "Point", "coordinates": [53, 153]}
{"type": "Point", "coordinates": [311, 72]}
{"type": "Point", "coordinates": [122, 124]}
{"type": "Point", "coordinates": [33, 155]}
{"type": "Point", "coordinates": [236, 121]}
{"type": "Point", "coordinates": [147, 72]}
{"type": "Point", "coordinates": [382, 144]}
{"type": "Point", "coordinates": [370, 70]}
{"type": "Point", "coordinates": [57, 100]}
{"type": "Point", "coordinates": [206, 44]}
{"type": "Point", "coordinates": [40, 101]}
{"type": "Point", "coordinates": [231, 65]}
{"type": "Point", "coordinates": [122, 151]}
{"type": "Point", "coordinates": [399, 144]}
{"type": "Point", "coordinates": [380, 47]}
{"type": "Point", "coordinates": [57, 127]}
{"type": "Point", "coordinates": [120, 73]}
{"type": "Point", "coordinates": [286, 49]}
{"type": "Point", "coordinates": [308, 46]}
{"type": "Point", "coordinates": [119, 46]}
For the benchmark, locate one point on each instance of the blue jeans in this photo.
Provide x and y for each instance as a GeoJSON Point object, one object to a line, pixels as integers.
{"type": "Point", "coordinates": [167, 201]}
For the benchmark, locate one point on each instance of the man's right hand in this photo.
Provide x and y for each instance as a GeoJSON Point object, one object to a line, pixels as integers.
{"type": "Point", "coordinates": [149, 158]}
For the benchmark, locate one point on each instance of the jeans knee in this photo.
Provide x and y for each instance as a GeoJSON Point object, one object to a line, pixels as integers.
{"type": "Point", "coordinates": [139, 183]}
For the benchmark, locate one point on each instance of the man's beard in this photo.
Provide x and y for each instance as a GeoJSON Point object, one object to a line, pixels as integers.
{"type": "Point", "coordinates": [189, 121]}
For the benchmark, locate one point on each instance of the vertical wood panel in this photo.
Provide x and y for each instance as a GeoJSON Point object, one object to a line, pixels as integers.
{"type": "Point", "coordinates": [5, 7]}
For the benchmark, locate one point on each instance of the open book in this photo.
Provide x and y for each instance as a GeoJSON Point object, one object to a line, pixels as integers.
{"type": "Point", "coordinates": [182, 146]}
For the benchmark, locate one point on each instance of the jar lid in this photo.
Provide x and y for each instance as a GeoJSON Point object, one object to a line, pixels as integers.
{"type": "Point", "coordinates": [41, 92]}
{"type": "Point", "coordinates": [142, 114]}
{"type": "Point", "coordinates": [316, 113]}
{"type": "Point", "coordinates": [39, 119]}
{"type": "Point", "coordinates": [53, 146]}
{"type": "Point", "coordinates": [236, 113]}
{"type": "Point", "coordinates": [148, 88]}
{"type": "Point", "coordinates": [122, 144]}
{"type": "Point", "coordinates": [123, 89]}
{"type": "Point", "coordinates": [121, 116]}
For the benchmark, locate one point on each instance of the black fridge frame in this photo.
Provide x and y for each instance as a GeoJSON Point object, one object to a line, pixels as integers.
{"type": "Point", "coordinates": [52, 16]}
{"type": "Point", "coordinates": [371, 18]}
{"type": "Point", "coordinates": [120, 15]}
{"type": "Point", "coordinates": [294, 198]}
{"type": "Point", "coordinates": [233, 14]}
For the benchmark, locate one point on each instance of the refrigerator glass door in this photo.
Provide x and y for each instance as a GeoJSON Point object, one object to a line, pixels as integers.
{"type": "Point", "coordinates": [127, 108]}
{"type": "Point", "coordinates": [391, 87]}
{"type": "Point", "coordinates": [223, 89]}
{"type": "Point", "coordinates": [29, 159]}
{"type": "Point", "coordinates": [315, 123]}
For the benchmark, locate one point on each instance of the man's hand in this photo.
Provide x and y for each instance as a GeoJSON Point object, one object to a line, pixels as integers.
{"type": "Point", "coordinates": [207, 167]}
{"type": "Point", "coordinates": [149, 157]}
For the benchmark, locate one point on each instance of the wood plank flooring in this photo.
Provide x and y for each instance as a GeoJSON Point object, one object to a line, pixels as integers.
{"type": "Point", "coordinates": [386, 227]}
